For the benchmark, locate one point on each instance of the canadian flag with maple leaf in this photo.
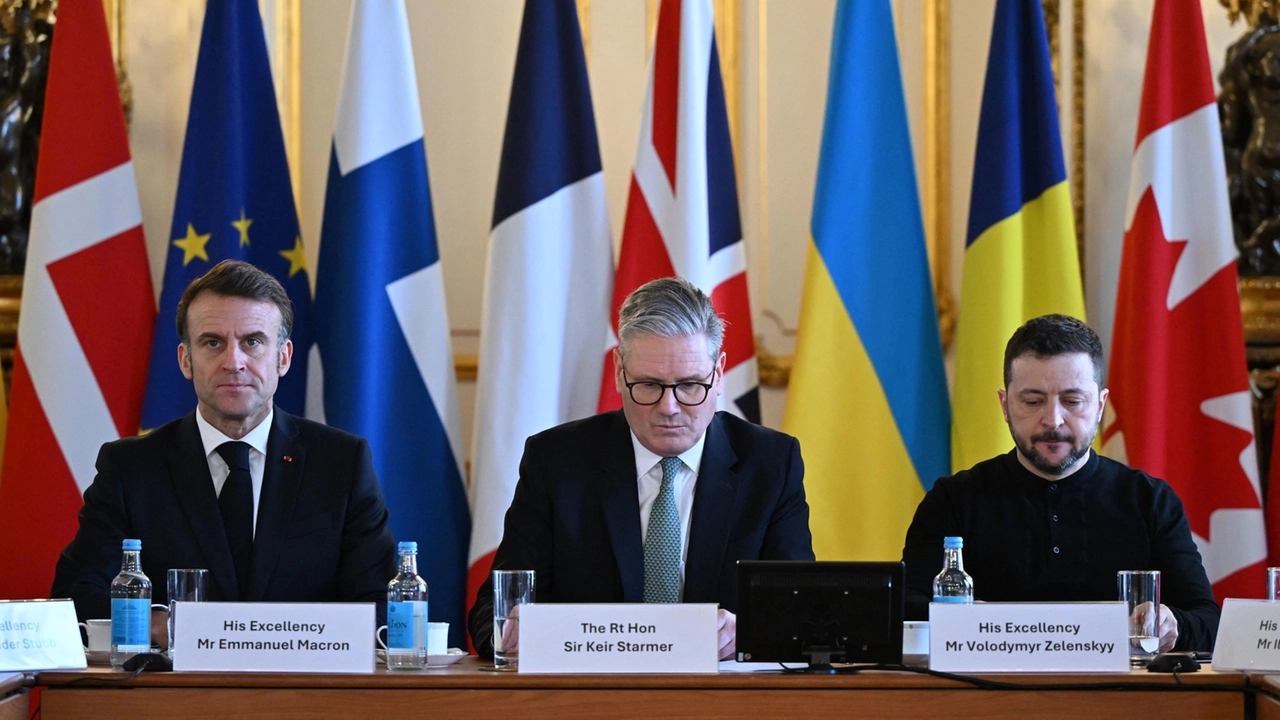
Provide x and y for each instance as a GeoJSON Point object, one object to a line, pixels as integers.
{"type": "Point", "coordinates": [1180, 404]}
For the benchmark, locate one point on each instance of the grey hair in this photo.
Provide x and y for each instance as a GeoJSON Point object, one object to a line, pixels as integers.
{"type": "Point", "coordinates": [670, 307]}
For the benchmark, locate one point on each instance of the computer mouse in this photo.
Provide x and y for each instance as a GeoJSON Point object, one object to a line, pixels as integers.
{"type": "Point", "coordinates": [1173, 662]}
{"type": "Point", "coordinates": [148, 661]}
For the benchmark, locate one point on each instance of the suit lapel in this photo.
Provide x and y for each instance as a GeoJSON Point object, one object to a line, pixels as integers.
{"type": "Point", "coordinates": [714, 499]}
{"type": "Point", "coordinates": [280, 482]}
{"type": "Point", "coordinates": [189, 468]}
{"type": "Point", "coordinates": [620, 501]}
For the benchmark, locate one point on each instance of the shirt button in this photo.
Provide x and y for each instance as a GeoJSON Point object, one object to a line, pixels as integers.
{"type": "Point", "coordinates": [1055, 518]}
{"type": "Point", "coordinates": [1055, 551]}
{"type": "Point", "coordinates": [1053, 487]}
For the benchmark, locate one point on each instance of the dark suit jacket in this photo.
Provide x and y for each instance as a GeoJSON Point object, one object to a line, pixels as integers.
{"type": "Point", "coordinates": [575, 517]}
{"type": "Point", "coordinates": [321, 531]}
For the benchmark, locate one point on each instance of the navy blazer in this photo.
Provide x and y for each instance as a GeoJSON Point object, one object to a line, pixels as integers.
{"type": "Point", "coordinates": [575, 517]}
{"type": "Point", "coordinates": [321, 530]}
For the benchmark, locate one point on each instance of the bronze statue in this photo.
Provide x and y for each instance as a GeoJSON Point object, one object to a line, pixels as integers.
{"type": "Point", "coordinates": [1249, 105]}
{"type": "Point", "coordinates": [25, 39]}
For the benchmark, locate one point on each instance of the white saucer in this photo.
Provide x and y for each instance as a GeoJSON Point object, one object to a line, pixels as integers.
{"type": "Point", "coordinates": [433, 661]}
{"type": "Point", "coordinates": [452, 657]}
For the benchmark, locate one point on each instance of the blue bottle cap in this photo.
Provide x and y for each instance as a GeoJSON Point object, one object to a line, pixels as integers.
{"type": "Point", "coordinates": [952, 543]}
{"type": "Point", "coordinates": [407, 547]}
{"type": "Point", "coordinates": [132, 544]}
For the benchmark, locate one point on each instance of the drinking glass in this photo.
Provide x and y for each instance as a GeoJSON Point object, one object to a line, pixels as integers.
{"type": "Point", "coordinates": [1140, 590]}
{"type": "Point", "coordinates": [185, 585]}
{"type": "Point", "coordinates": [511, 589]}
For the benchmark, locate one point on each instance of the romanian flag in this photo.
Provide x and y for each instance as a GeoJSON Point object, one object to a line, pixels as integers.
{"type": "Point", "coordinates": [868, 325]}
{"type": "Point", "coordinates": [1020, 251]}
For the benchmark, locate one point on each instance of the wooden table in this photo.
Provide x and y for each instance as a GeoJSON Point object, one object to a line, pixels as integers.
{"type": "Point", "coordinates": [13, 704]}
{"type": "Point", "coordinates": [463, 691]}
{"type": "Point", "coordinates": [1268, 704]}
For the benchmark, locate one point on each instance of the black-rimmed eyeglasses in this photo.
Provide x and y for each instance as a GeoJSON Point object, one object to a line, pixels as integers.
{"type": "Point", "coordinates": [689, 394]}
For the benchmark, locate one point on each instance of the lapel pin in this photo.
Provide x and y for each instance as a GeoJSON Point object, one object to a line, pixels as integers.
{"type": "Point", "coordinates": [288, 458]}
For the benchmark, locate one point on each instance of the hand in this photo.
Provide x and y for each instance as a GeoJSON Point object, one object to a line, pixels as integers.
{"type": "Point", "coordinates": [160, 628]}
{"type": "Point", "coordinates": [1168, 630]}
{"type": "Point", "coordinates": [727, 626]}
{"type": "Point", "coordinates": [510, 640]}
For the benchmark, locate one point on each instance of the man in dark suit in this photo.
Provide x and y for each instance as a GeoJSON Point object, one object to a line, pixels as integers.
{"type": "Point", "coordinates": [275, 507]}
{"type": "Point", "coordinates": [658, 502]}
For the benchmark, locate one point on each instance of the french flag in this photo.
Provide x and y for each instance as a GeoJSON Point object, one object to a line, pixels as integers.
{"type": "Point", "coordinates": [545, 320]}
{"type": "Point", "coordinates": [682, 210]}
{"type": "Point", "coordinates": [384, 362]}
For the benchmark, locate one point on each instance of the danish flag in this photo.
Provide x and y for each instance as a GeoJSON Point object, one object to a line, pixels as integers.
{"type": "Point", "coordinates": [1180, 404]}
{"type": "Point", "coordinates": [682, 210]}
{"type": "Point", "coordinates": [87, 306]}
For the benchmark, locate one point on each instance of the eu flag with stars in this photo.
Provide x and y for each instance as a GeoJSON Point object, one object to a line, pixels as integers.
{"type": "Point", "coordinates": [235, 201]}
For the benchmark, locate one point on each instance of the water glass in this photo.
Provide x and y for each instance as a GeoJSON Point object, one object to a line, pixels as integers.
{"type": "Point", "coordinates": [1273, 583]}
{"type": "Point", "coordinates": [185, 585]}
{"type": "Point", "coordinates": [511, 589]}
{"type": "Point", "coordinates": [1140, 590]}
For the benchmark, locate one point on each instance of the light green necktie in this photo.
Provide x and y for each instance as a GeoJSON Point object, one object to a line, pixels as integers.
{"type": "Point", "coordinates": [662, 541]}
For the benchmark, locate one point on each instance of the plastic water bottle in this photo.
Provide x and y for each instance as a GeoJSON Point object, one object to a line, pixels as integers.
{"type": "Point", "coordinates": [130, 607]}
{"type": "Point", "coordinates": [407, 613]}
{"type": "Point", "coordinates": [953, 584]}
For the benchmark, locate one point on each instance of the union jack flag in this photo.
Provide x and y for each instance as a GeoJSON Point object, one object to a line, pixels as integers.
{"type": "Point", "coordinates": [682, 209]}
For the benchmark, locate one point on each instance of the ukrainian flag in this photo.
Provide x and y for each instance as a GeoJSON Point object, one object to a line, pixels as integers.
{"type": "Point", "coordinates": [868, 396]}
{"type": "Point", "coordinates": [1020, 256]}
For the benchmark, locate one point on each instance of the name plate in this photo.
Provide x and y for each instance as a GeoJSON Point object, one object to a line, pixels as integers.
{"type": "Point", "coordinates": [39, 635]}
{"type": "Point", "coordinates": [1248, 636]}
{"type": "Point", "coordinates": [619, 638]}
{"type": "Point", "coordinates": [1029, 637]}
{"type": "Point", "coordinates": [274, 637]}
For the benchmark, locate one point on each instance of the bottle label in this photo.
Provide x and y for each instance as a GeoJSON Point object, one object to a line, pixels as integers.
{"type": "Point", "coordinates": [407, 625]}
{"type": "Point", "coordinates": [952, 599]}
{"type": "Point", "coordinates": [131, 622]}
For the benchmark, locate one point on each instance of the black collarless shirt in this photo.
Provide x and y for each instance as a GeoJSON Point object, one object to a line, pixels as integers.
{"type": "Point", "coordinates": [1030, 539]}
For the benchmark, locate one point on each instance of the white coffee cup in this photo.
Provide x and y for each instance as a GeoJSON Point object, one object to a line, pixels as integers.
{"type": "Point", "coordinates": [437, 638]}
{"type": "Point", "coordinates": [99, 634]}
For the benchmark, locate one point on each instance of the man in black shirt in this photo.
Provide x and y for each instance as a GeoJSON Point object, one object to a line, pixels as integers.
{"type": "Point", "coordinates": [1051, 520]}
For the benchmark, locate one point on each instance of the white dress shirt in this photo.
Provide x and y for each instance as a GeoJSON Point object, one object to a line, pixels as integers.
{"type": "Point", "coordinates": [212, 437]}
{"type": "Point", "coordinates": [649, 482]}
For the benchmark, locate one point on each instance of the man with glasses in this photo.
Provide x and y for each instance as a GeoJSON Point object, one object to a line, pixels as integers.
{"type": "Point", "coordinates": [657, 502]}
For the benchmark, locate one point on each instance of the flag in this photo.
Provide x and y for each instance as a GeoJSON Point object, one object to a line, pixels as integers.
{"type": "Point", "coordinates": [87, 306]}
{"type": "Point", "coordinates": [682, 209]}
{"type": "Point", "coordinates": [1020, 258]}
{"type": "Point", "coordinates": [546, 307]}
{"type": "Point", "coordinates": [381, 329]}
{"type": "Point", "coordinates": [1180, 407]}
{"type": "Point", "coordinates": [234, 201]}
{"type": "Point", "coordinates": [867, 253]}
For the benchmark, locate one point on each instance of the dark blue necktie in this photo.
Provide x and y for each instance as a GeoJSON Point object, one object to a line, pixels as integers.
{"type": "Point", "coordinates": [236, 502]}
